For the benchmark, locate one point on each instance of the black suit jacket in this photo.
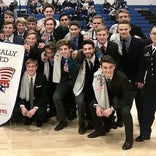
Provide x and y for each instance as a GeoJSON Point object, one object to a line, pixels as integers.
{"type": "Point", "coordinates": [89, 75]}
{"type": "Point", "coordinates": [130, 62]}
{"type": "Point", "coordinates": [24, 36]}
{"type": "Point", "coordinates": [122, 91]}
{"type": "Point", "coordinates": [40, 92]}
{"type": "Point", "coordinates": [112, 50]}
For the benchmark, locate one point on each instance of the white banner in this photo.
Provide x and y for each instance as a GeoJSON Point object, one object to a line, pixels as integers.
{"type": "Point", "coordinates": [11, 61]}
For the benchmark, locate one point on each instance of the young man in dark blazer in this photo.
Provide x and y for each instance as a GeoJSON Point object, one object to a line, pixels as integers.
{"type": "Point", "coordinates": [9, 37]}
{"type": "Point", "coordinates": [65, 71]}
{"type": "Point", "coordinates": [104, 46]}
{"type": "Point", "coordinates": [90, 66]}
{"type": "Point", "coordinates": [121, 93]}
{"type": "Point", "coordinates": [32, 104]}
{"type": "Point", "coordinates": [130, 61]}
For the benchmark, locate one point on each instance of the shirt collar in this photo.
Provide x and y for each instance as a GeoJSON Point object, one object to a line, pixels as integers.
{"type": "Point", "coordinates": [92, 59]}
{"type": "Point", "coordinates": [153, 47]}
{"type": "Point", "coordinates": [100, 45]}
{"type": "Point", "coordinates": [10, 38]}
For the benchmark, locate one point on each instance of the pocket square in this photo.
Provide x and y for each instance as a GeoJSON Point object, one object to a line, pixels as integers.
{"type": "Point", "coordinates": [39, 86]}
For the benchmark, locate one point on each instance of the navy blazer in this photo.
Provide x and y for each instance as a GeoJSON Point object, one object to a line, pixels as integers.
{"type": "Point", "coordinates": [18, 40]}
{"type": "Point", "coordinates": [130, 62]}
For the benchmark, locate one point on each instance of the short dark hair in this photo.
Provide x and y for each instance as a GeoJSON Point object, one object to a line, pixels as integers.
{"type": "Point", "coordinates": [31, 19]}
{"type": "Point", "coordinates": [88, 42]}
{"type": "Point", "coordinates": [108, 59]}
{"type": "Point", "coordinates": [63, 14]}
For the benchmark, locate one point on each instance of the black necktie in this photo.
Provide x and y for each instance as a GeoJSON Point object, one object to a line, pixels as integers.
{"type": "Point", "coordinates": [109, 84]}
{"type": "Point", "coordinates": [90, 65]}
{"type": "Point", "coordinates": [124, 46]}
{"type": "Point", "coordinates": [31, 93]}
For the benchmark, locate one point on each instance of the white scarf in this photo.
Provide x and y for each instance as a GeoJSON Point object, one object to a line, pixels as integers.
{"type": "Point", "coordinates": [24, 90]}
{"type": "Point", "coordinates": [116, 38]}
{"type": "Point", "coordinates": [100, 89]}
{"type": "Point", "coordinates": [57, 68]}
{"type": "Point", "coordinates": [80, 80]}
{"type": "Point", "coordinates": [46, 69]}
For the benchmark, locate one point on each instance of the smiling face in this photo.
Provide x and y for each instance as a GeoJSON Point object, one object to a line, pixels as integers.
{"type": "Point", "coordinates": [8, 30]}
{"type": "Point", "coordinates": [31, 40]}
{"type": "Point", "coordinates": [49, 26]}
{"type": "Point", "coordinates": [88, 50]}
{"type": "Point", "coordinates": [65, 51]}
{"type": "Point", "coordinates": [31, 69]}
{"type": "Point", "coordinates": [108, 69]}
{"type": "Point", "coordinates": [49, 12]}
{"type": "Point", "coordinates": [102, 36]}
{"type": "Point", "coordinates": [21, 28]}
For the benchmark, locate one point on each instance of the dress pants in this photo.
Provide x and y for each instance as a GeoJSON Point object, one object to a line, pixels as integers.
{"type": "Point", "coordinates": [60, 92]}
{"type": "Point", "coordinates": [101, 122]}
{"type": "Point", "coordinates": [40, 115]}
{"type": "Point", "coordinates": [149, 112]}
{"type": "Point", "coordinates": [80, 101]}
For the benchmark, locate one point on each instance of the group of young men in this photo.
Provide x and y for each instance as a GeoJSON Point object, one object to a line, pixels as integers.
{"type": "Point", "coordinates": [100, 72]}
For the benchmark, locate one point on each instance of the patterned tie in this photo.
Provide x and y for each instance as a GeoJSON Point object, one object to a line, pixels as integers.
{"type": "Point", "coordinates": [103, 49]}
{"type": "Point", "coordinates": [31, 93]}
{"type": "Point", "coordinates": [66, 68]}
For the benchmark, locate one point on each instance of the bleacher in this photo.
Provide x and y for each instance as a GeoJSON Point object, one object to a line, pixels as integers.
{"type": "Point", "coordinates": [136, 17]}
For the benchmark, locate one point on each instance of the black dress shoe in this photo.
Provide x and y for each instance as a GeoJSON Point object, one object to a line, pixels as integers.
{"type": "Point", "coordinates": [61, 125]}
{"type": "Point", "coordinates": [127, 145]}
{"type": "Point", "coordinates": [96, 134]}
{"type": "Point", "coordinates": [142, 138]}
{"type": "Point", "coordinates": [82, 130]}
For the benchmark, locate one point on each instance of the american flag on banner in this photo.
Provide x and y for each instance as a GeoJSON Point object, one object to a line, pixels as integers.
{"type": "Point", "coordinates": [6, 74]}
